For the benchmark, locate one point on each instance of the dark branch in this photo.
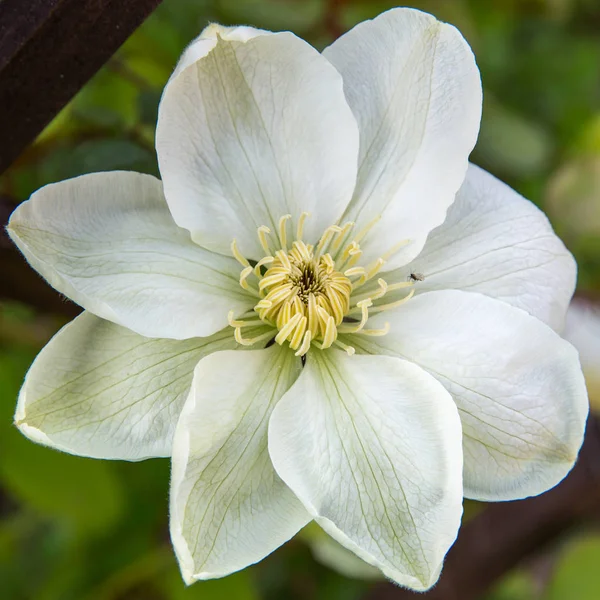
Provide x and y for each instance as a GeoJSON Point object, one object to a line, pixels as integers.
{"type": "Point", "coordinates": [48, 50]}
{"type": "Point", "coordinates": [506, 533]}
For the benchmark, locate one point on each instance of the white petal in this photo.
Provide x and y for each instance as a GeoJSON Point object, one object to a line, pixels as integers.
{"type": "Point", "coordinates": [251, 132]}
{"type": "Point", "coordinates": [229, 509]}
{"type": "Point", "coordinates": [207, 40]}
{"type": "Point", "coordinates": [496, 242]}
{"type": "Point", "coordinates": [415, 90]}
{"type": "Point", "coordinates": [372, 447]}
{"type": "Point", "coordinates": [108, 242]}
{"type": "Point", "coordinates": [517, 384]}
{"type": "Point", "coordinates": [582, 329]}
{"type": "Point", "coordinates": [100, 390]}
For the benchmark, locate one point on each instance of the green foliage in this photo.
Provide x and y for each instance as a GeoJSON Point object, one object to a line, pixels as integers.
{"type": "Point", "coordinates": [79, 529]}
{"type": "Point", "coordinates": [576, 574]}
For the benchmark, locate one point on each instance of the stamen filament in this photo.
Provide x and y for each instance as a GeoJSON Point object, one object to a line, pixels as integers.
{"type": "Point", "coordinates": [241, 323]}
{"type": "Point", "coordinates": [350, 350]}
{"type": "Point", "coordinates": [238, 255]}
{"type": "Point", "coordinates": [363, 232]}
{"type": "Point", "coordinates": [304, 348]}
{"type": "Point", "coordinates": [285, 331]}
{"type": "Point", "coordinates": [283, 231]}
{"type": "Point", "coordinates": [391, 305]}
{"type": "Point", "coordinates": [342, 234]}
{"type": "Point", "coordinates": [261, 263]}
{"type": "Point", "coordinates": [300, 228]}
{"type": "Point", "coordinates": [326, 238]}
{"type": "Point", "coordinates": [355, 328]}
{"type": "Point", "coordinates": [263, 231]}
{"type": "Point", "coordinates": [305, 291]}
{"type": "Point", "coordinates": [375, 332]}
{"type": "Point", "coordinates": [250, 341]}
{"type": "Point", "coordinates": [243, 276]}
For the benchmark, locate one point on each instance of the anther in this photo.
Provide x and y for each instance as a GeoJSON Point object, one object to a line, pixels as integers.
{"type": "Point", "coordinates": [243, 276]}
{"type": "Point", "coordinates": [283, 259]}
{"type": "Point", "coordinates": [355, 271]}
{"type": "Point", "coordinates": [339, 239]}
{"type": "Point", "coordinates": [364, 306]}
{"type": "Point", "coordinates": [330, 333]}
{"type": "Point", "coordinates": [283, 231]}
{"type": "Point", "coordinates": [238, 255]}
{"type": "Point", "coordinates": [304, 348]}
{"type": "Point", "coordinates": [326, 238]}
{"type": "Point", "coordinates": [263, 231]}
{"type": "Point", "coordinates": [376, 332]}
{"type": "Point", "coordinates": [300, 228]}
{"type": "Point", "coordinates": [237, 334]}
{"type": "Point", "coordinates": [285, 331]}
{"type": "Point", "coordinates": [349, 349]}
{"type": "Point", "coordinates": [263, 261]}
{"type": "Point", "coordinates": [382, 307]}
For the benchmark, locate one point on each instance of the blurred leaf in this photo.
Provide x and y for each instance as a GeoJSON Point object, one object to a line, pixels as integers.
{"type": "Point", "coordinates": [517, 585]}
{"type": "Point", "coordinates": [589, 140]}
{"type": "Point", "coordinates": [238, 586]}
{"type": "Point", "coordinates": [148, 107]}
{"type": "Point", "coordinates": [107, 101]}
{"type": "Point", "coordinates": [511, 144]}
{"type": "Point", "coordinates": [82, 491]}
{"type": "Point", "coordinates": [294, 15]}
{"type": "Point", "coordinates": [107, 155]}
{"type": "Point", "coordinates": [576, 575]}
{"type": "Point", "coordinates": [573, 197]}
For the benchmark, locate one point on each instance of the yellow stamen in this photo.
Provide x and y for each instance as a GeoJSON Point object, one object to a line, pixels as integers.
{"type": "Point", "coordinates": [391, 305]}
{"type": "Point", "coordinates": [355, 328]}
{"type": "Point", "coordinates": [246, 272]}
{"type": "Point", "coordinates": [283, 231]}
{"type": "Point", "coordinates": [237, 334]}
{"type": "Point", "coordinates": [263, 231]}
{"type": "Point", "coordinates": [363, 232]}
{"type": "Point", "coordinates": [261, 263]}
{"type": "Point", "coordinates": [300, 228]}
{"type": "Point", "coordinates": [238, 255]}
{"type": "Point", "coordinates": [305, 344]}
{"type": "Point", "coordinates": [376, 332]}
{"type": "Point", "coordinates": [305, 292]}
{"type": "Point", "coordinates": [349, 349]}
{"type": "Point", "coordinates": [342, 234]}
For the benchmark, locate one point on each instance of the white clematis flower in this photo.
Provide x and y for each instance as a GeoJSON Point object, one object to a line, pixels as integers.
{"type": "Point", "coordinates": [304, 314]}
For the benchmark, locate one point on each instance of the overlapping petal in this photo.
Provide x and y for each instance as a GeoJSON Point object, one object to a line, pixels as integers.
{"type": "Point", "coordinates": [518, 386]}
{"type": "Point", "coordinates": [207, 40]}
{"type": "Point", "coordinates": [100, 390]}
{"type": "Point", "coordinates": [108, 242]}
{"type": "Point", "coordinates": [372, 447]}
{"type": "Point", "coordinates": [253, 131]}
{"type": "Point", "coordinates": [415, 90]}
{"type": "Point", "coordinates": [229, 508]}
{"type": "Point", "coordinates": [496, 242]}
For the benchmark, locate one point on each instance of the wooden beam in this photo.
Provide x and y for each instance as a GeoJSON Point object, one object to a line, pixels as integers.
{"type": "Point", "coordinates": [48, 50]}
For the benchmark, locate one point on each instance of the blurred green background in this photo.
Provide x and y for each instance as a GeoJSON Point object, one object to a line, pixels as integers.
{"type": "Point", "coordinates": [79, 529]}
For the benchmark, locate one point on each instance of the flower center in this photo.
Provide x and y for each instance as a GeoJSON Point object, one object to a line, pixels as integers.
{"type": "Point", "coordinates": [312, 294]}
